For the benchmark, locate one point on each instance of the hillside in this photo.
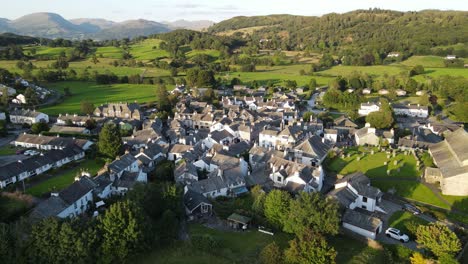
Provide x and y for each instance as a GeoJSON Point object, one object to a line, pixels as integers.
{"type": "Point", "coordinates": [131, 29]}
{"type": "Point", "coordinates": [193, 25]}
{"type": "Point", "coordinates": [372, 29]}
{"type": "Point", "coordinates": [9, 39]}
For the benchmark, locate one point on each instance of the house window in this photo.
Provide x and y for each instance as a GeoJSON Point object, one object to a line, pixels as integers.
{"type": "Point", "coordinates": [364, 207]}
{"type": "Point", "coordinates": [364, 199]}
{"type": "Point", "coordinates": [279, 179]}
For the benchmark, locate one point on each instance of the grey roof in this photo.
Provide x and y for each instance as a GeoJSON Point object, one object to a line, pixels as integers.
{"type": "Point", "coordinates": [314, 147]}
{"type": "Point", "coordinates": [344, 196]}
{"type": "Point", "coordinates": [127, 180]}
{"type": "Point", "coordinates": [208, 185]}
{"type": "Point", "coordinates": [451, 155]}
{"type": "Point", "coordinates": [179, 148]}
{"type": "Point", "coordinates": [219, 135]}
{"type": "Point", "coordinates": [360, 219]}
{"type": "Point", "coordinates": [24, 112]}
{"type": "Point", "coordinates": [51, 207]}
{"type": "Point", "coordinates": [238, 148]}
{"type": "Point", "coordinates": [77, 190]}
{"type": "Point", "coordinates": [122, 163]}
{"type": "Point", "coordinates": [193, 199]}
{"type": "Point", "coordinates": [361, 184]}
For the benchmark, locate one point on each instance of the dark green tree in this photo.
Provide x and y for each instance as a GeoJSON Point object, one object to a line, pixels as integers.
{"type": "Point", "coordinates": [5, 99]}
{"type": "Point", "coordinates": [87, 107]}
{"type": "Point", "coordinates": [311, 211]}
{"type": "Point", "coordinates": [277, 207]}
{"type": "Point", "coordinates": [37, 128]}
{"type": "Point", "coordinates": [271, 254]}
{"type": "Point", "coordinates": [31, 96]}
{"type": "Point", "coordinates": [162, 98]}
{"type": "Point", "coordinates": [110, 143]}
{"type": "Point", "coordinates": [258, 196]}
{"type": "Point", "coordinates": [309, 248]}
{"type": "Point", "coordinates": [3, 128]}
{"type": "Point", "coordinates": [122, 229]}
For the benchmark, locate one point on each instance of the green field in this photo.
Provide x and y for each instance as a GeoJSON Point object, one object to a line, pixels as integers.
{"type": "Point", "coordinates": [148, 50]}
{"type": "Point", "coordinates": [402, 220]}
{"type": "Point", "coordinates": [373, 165]}
{"type": "Point", "coordinates": [411, 190]}
{"type": "Point", "coordinates": [110, 52]}
{"type": "Point", "coordinates": [99, 94]}
{"type": "Point", "coordinates": [425, 61]}
{"type": "Point", "coordinates": [244, 247]}
{"type": "Point", "coordinates": [47, 51]}
{"type": "Point", "coordinates": [7, 150]}
{"type": "Point", "coordinates": [64, 179]}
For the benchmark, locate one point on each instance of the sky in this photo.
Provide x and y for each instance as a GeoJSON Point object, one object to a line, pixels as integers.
{"type": "Point", "coordinates": [215, 10]}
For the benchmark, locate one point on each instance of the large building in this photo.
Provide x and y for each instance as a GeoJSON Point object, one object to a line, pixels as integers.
{"type": "Point", "coordinates": [411, 110]}
{"type": "Point", "coordinates": [451, 158]}
{"type": "Point", "coordinates": [24, 116]}
{"type": "Point", "coordinates": [120, 110]}
{"type": "Point", "coordinates": [367, 108]}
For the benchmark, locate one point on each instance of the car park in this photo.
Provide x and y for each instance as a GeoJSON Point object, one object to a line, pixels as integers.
{"type": "Point", "coordinates": [396, 234]}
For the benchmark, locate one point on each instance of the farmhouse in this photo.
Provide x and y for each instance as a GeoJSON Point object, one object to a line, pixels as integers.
{"type": "Point", "coordinates": [24, 116]}
{"type": "Point", "coordinates": [120, 110]}
{"type": "Point", "coordinates": [451, 156]}
{"type": "Point", "coordinates": [414, 110]}
{"type": "Point", "coordinates": [367, 108]}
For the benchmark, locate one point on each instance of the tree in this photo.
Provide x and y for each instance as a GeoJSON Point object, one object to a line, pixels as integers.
{"type": "Point", "coordinates": [417, 258]}
{"type": "Point", "coordinates": [271, 254]}
{"type": "Point", "coordinates": [122, 229]}
{"type": "Point", "coordinates": [7, 244]}
{"type": "Point", "coordinates": [276, 207]}
{"type": "Point", "coordinates": [5, 99]}
{"type": "Point", "coordinates": [310, 211]}
{"type": "Point", "coordinates": [312, 84]}
{"type": "Point", "coordinates": [309, 248]}
{"type": "Point", "coordinates": [438, 238]}
{"type": "Point", "coordinates": [3, 128]}
{"type": "Point", "coordinates": [31, 96]}
{"type": "Point", "coordinates": [87, 107]}
{"type": "Point", "coordinates": [44, 241]}
{"type": "Point", "coordinates": [162, 98]}
{"type": "Point", "coordinates": [424, 99]}
{"type": "Point", "coordinates": [306, 116]}
{"type": "Point", "coordinates": [110, 143]}
{"type": "Point", "coordinates": [258, 199]}
{"type": "Point", "coordinates": [380, 119]}
{"type": "Point", "coordinates": [61, 63]}
{"type": "Point", "coordinates": [95, 59]}
{"type": "Point", "coordinates": [37, 128]}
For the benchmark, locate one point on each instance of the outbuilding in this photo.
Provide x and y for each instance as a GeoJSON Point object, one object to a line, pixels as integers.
{"type": "Point", "coordinates": [361, 223]}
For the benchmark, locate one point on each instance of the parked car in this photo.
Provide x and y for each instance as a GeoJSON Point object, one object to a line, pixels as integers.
{"type": "Point", "coordinates": [396, 234]}
{"type": "Point", "coordinates": [411, 208]}
{"type": "Point", "coordinates": [19, 152]}
{"type": "Point", "coordinates": [31, 153]}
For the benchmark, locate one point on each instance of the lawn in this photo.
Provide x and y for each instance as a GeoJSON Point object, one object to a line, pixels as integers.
{"type": "Point", "coordinates": [373, 165]}
{"type": "Point", "coordinates": [425, 61]}
{"type": "Point", "coordinates": [402, 220]}
{"type": "Point", "coordinates": [411, 190]}
{"type": "Point", "coordinates": [64, 178]}
{"type": "Point", "coordinates": [99, 94]}
{"type": "Point", "coordinates": [244, 247]}
{"type": "Point", "coordinates": [47, 51]}
{"type": "Point", "coordinates": [7, 150]}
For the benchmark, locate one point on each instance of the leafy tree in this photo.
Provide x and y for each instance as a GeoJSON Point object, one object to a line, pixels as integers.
{"type": "Point", "coordinates": [122, 229]}
{"type": "Point", "coordinates": [313, 83]}
{"type": "Point", "coordinates": [382, 118]}
{"type": "Point", "coordinates": [168, 227]}
{"type": "Point", "coordinates": [424, 99]}
{"type": "Point", "coordinates": [447, 259]}
{"type": "Point", "coordinates": [438, 238]}
{"type": "Point", "coordinates": [327, 60]}
{"type": "Point", "coordinates": [37, 128]}
{"type": "Point", "coordinates": [5, 99]}
{"type": "Point", "coordinates": [258, 199]}
{"type": "Point", "coordinates": [44, 241]}
{"type": "Point", "coordinates": [417, 258]}
{"type": "Point", "coordinates": [162, 98]}
{"type": "Point", "coordinates": [309, 248]}
{"type": "Point", "coordinates": [306, 116]}
{"type": "Point", "coordinates": [87, 107]}
{"type": "Point", "coordinates": [277, 207]}
{"type": "Point", "coordinates": [31, 96]}
{"type": "Point", "coordinates": [310, 211]}
{"type": "Point", "coordinates": [110, 143]}
{"type": "Point", "coordinates": [61, 63]}
{"type": "Point", "coordinates": [7, 244]}
{"type": "Point", "coordinates": [3, 128]}
{"type": "Point", "coordinates": [271, 254]}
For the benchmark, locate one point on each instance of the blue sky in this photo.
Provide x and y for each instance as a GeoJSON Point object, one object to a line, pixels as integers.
{"type": "Point", "coordinates": [216, 10]}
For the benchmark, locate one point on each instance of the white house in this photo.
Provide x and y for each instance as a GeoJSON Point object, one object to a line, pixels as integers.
{"type": "Point", "coordinates": [366, 91]}
{"type": "Point", "coordinates": [330, 135]}
{"type": "Point", "coordinates": [361, 223]}
{"type": "Point", "coordinates": [367, 108]}
{"type": "Point", "coordinates": [450, 57]}
{"type": "Point", "coordinates": [20, 99]}
{"type": "Point", "coordinates": [400, 92]}
{"type": "Point", "coordinates": [411, 110]}
{"type": "Point", "coordinates": [24, 116]}
{"type": "Point", "coordinates": [393, 55]}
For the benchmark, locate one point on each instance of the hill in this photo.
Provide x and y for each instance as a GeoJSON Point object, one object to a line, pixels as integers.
{"type": "Point", "coordinates": [131, 29]}
{"type": "Point", "coordinates": [193, 25]}
{"type": "Point", "coordinates": [375, 29]}
{"type": "Point", "coordinates": [93, 24]}
{"type": "Point", "coordinates": [46, 25]}
{"type": "Point", "coordinates": [10, 38]}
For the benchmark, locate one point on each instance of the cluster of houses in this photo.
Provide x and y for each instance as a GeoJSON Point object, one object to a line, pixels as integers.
{"type": "Point", "coordinates": [41, 92]}
{"type": "Point", "coordinates": [224, 151]}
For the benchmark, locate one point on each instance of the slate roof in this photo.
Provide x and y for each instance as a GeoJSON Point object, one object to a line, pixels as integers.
{"type": "Point", "coordinates": [451, 155]}
{"type": "Point", "coordinates": [24, 112]}
{"type": "Point", "coordinates": [122, 163]}
{"type": "Point", "coordinates": [314, 147]}
{"type": "Point", "coordinates": [208, 185]}
{"type": "Point", "coordinates": [77, 190]}
{"type": "Point", "coordinates": [361, 220]}
{"type": "Point", "coordinates": [193, 199]}
{"type": "Point", "coordinates": [49, 208]}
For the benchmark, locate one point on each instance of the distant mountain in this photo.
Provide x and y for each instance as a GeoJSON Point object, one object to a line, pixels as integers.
{"type": "Point", "coordinates": [50, 25]}
{"type": "Point", "coordinates": [96, 24]}
{"type": "Point", "coordinates": [193, 25]}
{"type": "Point", "coordinates": [46, 25]}
{"type": "Point", "coordinates": [131, 29]}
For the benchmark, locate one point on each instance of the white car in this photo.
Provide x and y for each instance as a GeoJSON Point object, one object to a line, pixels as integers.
{"type": "Point", "coordinates": [31, 153]}
{"type": "Point", "coordinates": [396, 234]}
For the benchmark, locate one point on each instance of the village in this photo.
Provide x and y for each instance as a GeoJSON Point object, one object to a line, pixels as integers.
{"type": "Point", "coordinates": [245, 142]}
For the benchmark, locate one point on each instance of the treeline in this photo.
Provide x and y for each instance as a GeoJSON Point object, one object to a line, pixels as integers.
{"type": "Point", "coordinates": [372, 31]}
{"type": "Point", "coordinates": [128, 228]}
